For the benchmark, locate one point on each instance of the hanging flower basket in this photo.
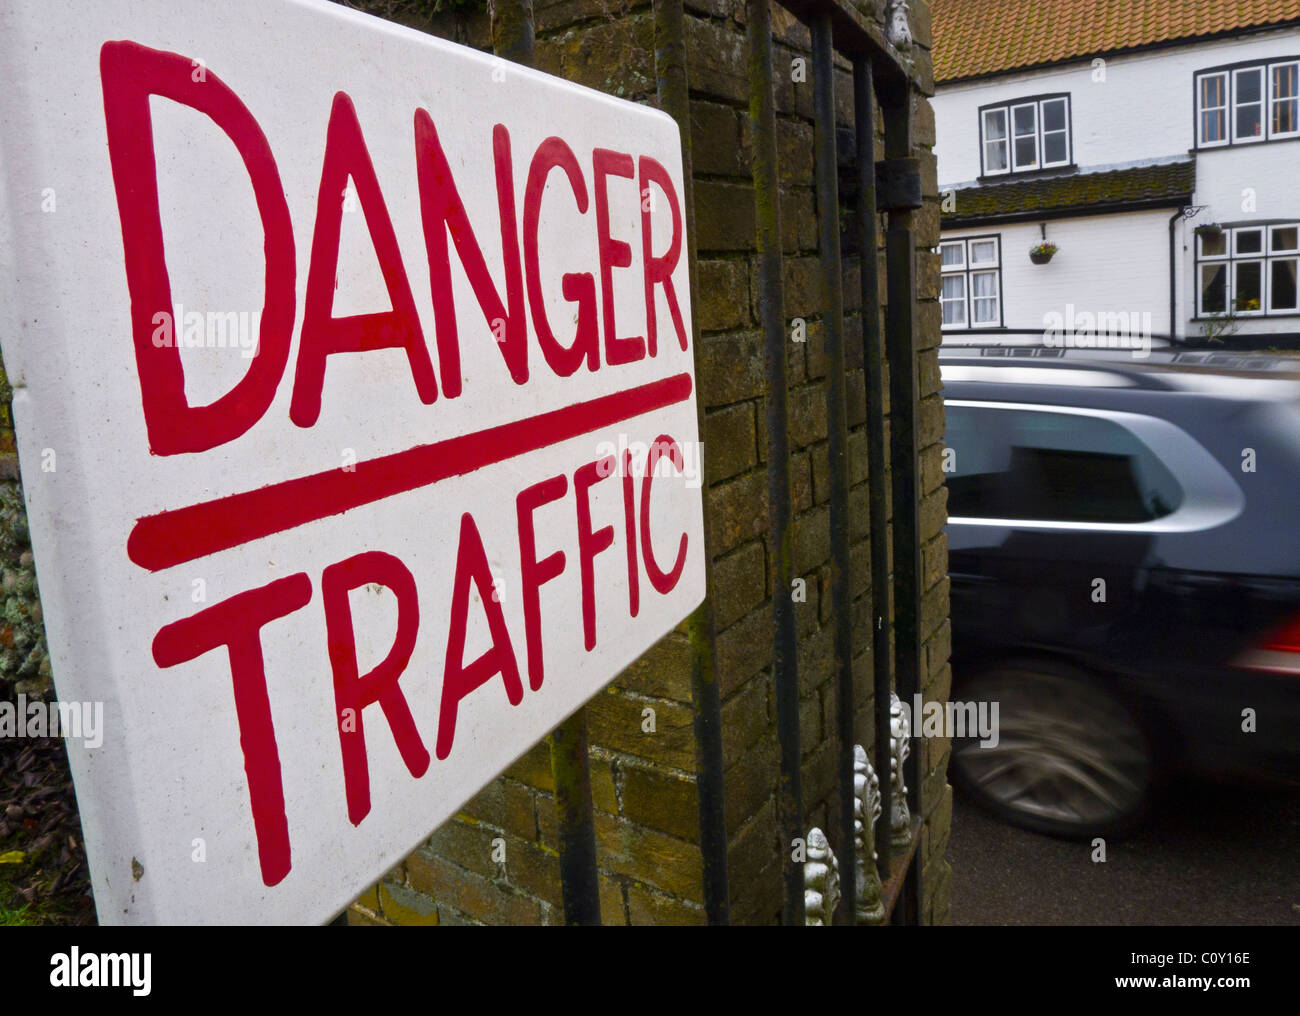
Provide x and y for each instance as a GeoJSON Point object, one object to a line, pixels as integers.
{"type": "Point", "coordinates": [1209, 230]}
{"type": "Point", "coordinates": [1042, 253]}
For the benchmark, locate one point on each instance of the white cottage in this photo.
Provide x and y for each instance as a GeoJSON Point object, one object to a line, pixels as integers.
{"type": "Point", "coordinates": [1154, 143]}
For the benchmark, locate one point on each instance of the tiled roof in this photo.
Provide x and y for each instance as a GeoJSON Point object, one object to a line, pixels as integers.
{"type": "Point", "coordinates": [1109, 190]}
{"type": "Point", "coordinates": [973, 38]}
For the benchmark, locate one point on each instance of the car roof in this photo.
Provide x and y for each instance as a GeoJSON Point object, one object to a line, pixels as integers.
{"type": "Point", "coordinates": [1224, 374]}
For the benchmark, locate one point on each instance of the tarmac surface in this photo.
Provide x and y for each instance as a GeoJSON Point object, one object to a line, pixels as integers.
{"type": "Point", "coordinates": [1209, 853]}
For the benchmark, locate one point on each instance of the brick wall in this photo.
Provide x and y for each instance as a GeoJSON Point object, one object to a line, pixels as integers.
{"type": "Point", "coordinates": [644, 784]}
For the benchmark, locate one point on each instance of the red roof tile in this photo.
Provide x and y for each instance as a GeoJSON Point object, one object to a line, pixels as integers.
{"type": "Point", "coordinates": [973, 38]}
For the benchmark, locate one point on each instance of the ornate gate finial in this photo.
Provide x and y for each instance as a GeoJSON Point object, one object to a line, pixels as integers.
{"type": "Point", "coordinates": [866, 809]}
{"type": "Point", "coordinates": [821, 880]}
{"type": "Point", "coordinates": [900, 746]}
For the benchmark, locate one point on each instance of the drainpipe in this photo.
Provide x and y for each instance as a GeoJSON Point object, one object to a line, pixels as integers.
{"type": "Point", "coordinates": [1173, 274]}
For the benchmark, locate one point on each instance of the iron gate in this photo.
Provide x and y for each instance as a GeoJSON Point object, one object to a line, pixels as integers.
{"type": "Point", "coordinates": [890, 185]}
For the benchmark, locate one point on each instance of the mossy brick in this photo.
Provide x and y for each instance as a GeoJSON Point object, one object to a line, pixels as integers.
{"type": "Point", "coordinates": [794, 152]}
{"type": "Point", "coordinates": [736, 511]}
{"type": "Point", "coordinates": [722, 299]}
{"type": "Point", "coordinates": [756, 846]}
{"type": "Point", "coordinates": [716, 60]}
{"type": "Point", "coordinates": [407, 908]}
{"type": "Point", "coordinates": [520, 809]}
{"type": "Point", "coordinates": [815, 655]}
{"type": "Point", "coordinates": [758, 903]}
{"type": "Point", "coordinates": [811, 544]}
{"type": "Point", "coordinates": [855, 397]}
{"type": "Point", "coordinates": [819, 772]}
{"type": "Point", "coordinates": [788, 29]}
{"type": "Point", "coordinates": [668, 802]}
{"type": "Point", "coordinates": [928, 335]}
{"type": "Point", "coordinates": [604, 794]}
{"type": "Point", "coordinates": [930, 412]}
{"type": "Point", "coordinates": [730, 442]}
{"type": "Point", "coordinates": [358, 918]}
{"type": "Point", "coordinates": [744, 719]}
{"type": "Point", "coordinates": [671, 865]}
{"type": "Point", "coordinates": [739, 582]}
{"type": "Point", "coordinates": [820, 456]}
{"type": "Point", "coordinates": [809, 610]}
{"type": "Point", "coordinates": [534, 767]}
{"type": "Point", "coordinates": [934, 608]}
{"type": "Point", "coordinates": [933, 787]}
{"type": "Point", "coordinates": [933, 513]}
{"type": "Point", "coordinates": [613, 56]}
{"type": "Point", "coordinates": [662, 671]}
{"type": "Point", "coordinates": [368, 900]}
{"type": "Point", "coordinates": [613, 905]}
{"type": "Point", "coordinates": [749, 782]}
{"type": "Point", "coordinates": [798, 220]}
{"type": "Point", "coordinates": [731, 368]}
{"type": "Point", "coordinates": [808, 415]}
{"type": "Point", "coordinates": [724, 216]}
{"type": "Point", "coordinates": [470, 846]}
{"type": "Point", "coordinates": [647, 907]}
{"type": "Point", "coordinates": [614, 720]}
{"type": "Point", "coordinates": [934, 560]}
{"type": "Point", "coordinates": [932, 475]}
{"type": "Point", "coordinates": [478, 897]}
{"type": "Point", "coordinates": [550, 15]}
{"type": "Point", "coordinates": [744, 649]}
{"type": "Point", "coordinates": [717, 147]}
{"type": "Point", "coordinates": [488, 806]}
{"type": "Point", "coordinates": [548, 823]}
{"type": "Point", "coordinates": [937, 823]}
{"type": "Point", "coordinates": [535, 871]}
{"type": "Point", "coordinates": [801, 481]}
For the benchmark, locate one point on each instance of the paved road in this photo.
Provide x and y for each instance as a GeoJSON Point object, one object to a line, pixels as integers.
{"type": "Point", "coordinates": [1208, 854]}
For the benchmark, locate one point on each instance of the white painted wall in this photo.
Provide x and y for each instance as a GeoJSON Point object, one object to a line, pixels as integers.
{"type": "Point", "coordinates": [1105, 263]}
{"type": "Point", "coordinates": [1136, 109]}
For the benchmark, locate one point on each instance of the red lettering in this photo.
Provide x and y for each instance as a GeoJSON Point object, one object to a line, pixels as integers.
{"type": "Point", "coordinates": [443, 212]}
{"type": "Point", "coordinates": [662, 581]}
{"type": "Point", "coordinates": [353, 693]}
{"type": "Point", "coordinates": [131, 73]}
{"type": "Point", "coordinates": [322, 333]}
{"type": "Point", "coordinates": [659, 270]}
{"type": "Point", "coordinates": [613, 254]}
{"type": "Point", "coordinates": [532, 572]}
{"type": "Point", "coordinates": [459, 680]}
{"type": "Point", "coordinates": [236, 624]}
{"type": "Point", "coordinates": [590, 543]}
{"type": "Point", "coordinates": [578, 288]}
{"type": "Point", "coordinates": [629, 529]}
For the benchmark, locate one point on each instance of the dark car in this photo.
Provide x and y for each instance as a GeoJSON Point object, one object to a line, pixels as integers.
{"type": "Point", "coordinates": [1124, 549]}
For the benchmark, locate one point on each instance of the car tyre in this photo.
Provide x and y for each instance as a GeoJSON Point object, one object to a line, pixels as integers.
{"type": "Point", "coordinates": [1071, 759]}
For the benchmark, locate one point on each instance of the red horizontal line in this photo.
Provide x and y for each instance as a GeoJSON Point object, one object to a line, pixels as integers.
{"type": "Point", "coordinates": [185, 534]}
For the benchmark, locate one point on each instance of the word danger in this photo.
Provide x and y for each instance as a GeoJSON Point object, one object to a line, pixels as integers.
{"type": "Point", "coordinates": [131, 73]}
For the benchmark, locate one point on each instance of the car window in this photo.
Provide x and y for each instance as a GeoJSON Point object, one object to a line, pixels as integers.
{"type": "Point", "coordinates": [1013, 463]}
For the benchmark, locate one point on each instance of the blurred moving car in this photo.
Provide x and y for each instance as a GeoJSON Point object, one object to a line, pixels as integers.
{"type": "Point", "coordinates": [1124, 550]}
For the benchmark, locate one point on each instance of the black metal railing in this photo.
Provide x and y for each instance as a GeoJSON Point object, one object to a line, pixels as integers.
{"type": "Point", "coordinates": [891, 186]}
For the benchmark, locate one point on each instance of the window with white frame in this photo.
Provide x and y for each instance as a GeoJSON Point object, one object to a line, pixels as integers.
{"type": "Point", "coordinates": [970, 292]}
{"type": "Point", "coordinates": [1250, 271]}
{"type": "Point", "coordinates": [1248, 104]}
{"type": "Point", "coordinates": [1029, 134]}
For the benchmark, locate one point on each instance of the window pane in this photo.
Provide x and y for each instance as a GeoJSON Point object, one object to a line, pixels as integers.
{"type": "Point", "coordinates": [984, 252]}
{"type": "Point", "coordinates": [1248, 241]}
{"type": "Point", "coordinates": [1214, 125]}
{"type": "Point", "coordinates": [995, 124]}
{"type": "Point", "coordinates": [1286, 104]}
{"type": "Point", "coordinates": [984, 297]}
{"type": "Point", "coordinates": [1018, 464]}
{"type": "Point", "coordinates": [1054, 146]}
{"type": "Point", "coordinates": [1249, 121]}
{"type": "Point", "coordinates": [1282, 285]}
{"type": "Point", "coordinates": [1247, 286]}
{"type": "Point", "coordinates": [1214, 246]}
{"type": "Point", "coordinates": [1054, 115]}
{"type": "Point", "coordinates": [1212, 91]}
{"type": "Point", "coordinates": [952, 255]}
{"type": "Point", "coordinates": [953, 299]}
{"type": "Point", "coordinates": [1214, 289]}
{"type": "Point", "coordinates": [1283, 238]}
{"type": "Point", "coordinates": [1025, 152]}
{"type": "Point", "coordinates": [995, 156]}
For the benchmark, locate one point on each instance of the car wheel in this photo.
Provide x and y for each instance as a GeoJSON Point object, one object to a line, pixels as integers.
{"type": "Point", "coordinates": [1070, 758]}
